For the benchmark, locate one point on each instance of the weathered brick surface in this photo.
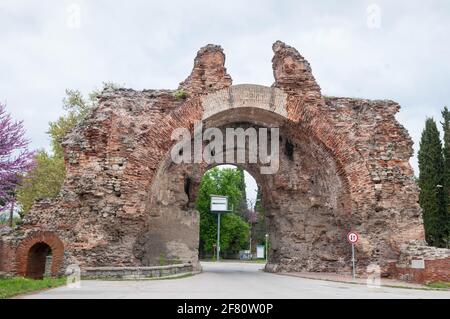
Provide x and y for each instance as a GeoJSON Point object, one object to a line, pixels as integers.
{"type": "Point", "coordinates": [436, 262]}
{"type": "Point", "coordinates": [7, 253]}
{"type": "Point", "coordinates": [209, 73]}
{"type": "Point", "coordinates": [343, 165]}
{"type": "Point", "coordinates": [18, 250]}
{"type": "Point", "coordinates": [435, 270]}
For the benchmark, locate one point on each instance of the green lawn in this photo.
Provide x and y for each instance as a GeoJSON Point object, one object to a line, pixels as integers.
{"type": "Point", "coordinates": [10, 287]}
{"type": "Point", "coordinates": [439, 284]}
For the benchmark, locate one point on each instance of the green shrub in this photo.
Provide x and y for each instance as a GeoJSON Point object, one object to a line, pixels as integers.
{"type": "Point", "coordinates": [180, 95]}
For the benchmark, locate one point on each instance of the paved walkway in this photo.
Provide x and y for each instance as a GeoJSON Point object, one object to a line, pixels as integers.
{"type": "Point", "coordinates": [232, 281]}
{"type": "Point", "coordinates": [349, 279]}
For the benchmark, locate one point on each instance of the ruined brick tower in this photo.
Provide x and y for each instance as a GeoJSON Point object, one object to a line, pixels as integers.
{"type": "Point", "coordinates": [344, 165]}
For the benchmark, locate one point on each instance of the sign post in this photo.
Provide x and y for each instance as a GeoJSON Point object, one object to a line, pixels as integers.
{"type": "Point", "coordinates": [219, 205]}
{"type": "Point", "coordinates": [353, 238]}
{"type": "Point", "coordinates": [218, 237]}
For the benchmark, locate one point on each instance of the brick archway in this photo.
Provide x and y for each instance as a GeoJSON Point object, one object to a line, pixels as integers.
{"type": "Point", "coordinates": [173, 223]}
{"type": "Point", "coordinates": [346, 165]}
{"type": "Point", "coordinates": [45, 237]}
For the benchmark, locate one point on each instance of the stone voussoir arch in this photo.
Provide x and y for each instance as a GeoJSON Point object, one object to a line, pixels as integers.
{"type": "Point", "coordinates": [298, 114]}
{"type": "Point", "coordinates": [247, 101]}
{"type": "Point", "coordinates": [257, 105]}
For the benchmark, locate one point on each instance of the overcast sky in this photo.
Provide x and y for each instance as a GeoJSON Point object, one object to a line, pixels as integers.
{"type": "Point", "coordinates": [373, 49]}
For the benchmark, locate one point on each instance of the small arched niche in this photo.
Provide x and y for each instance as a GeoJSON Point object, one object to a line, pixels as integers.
{"type": "Point", "coordinates": [39, 261]}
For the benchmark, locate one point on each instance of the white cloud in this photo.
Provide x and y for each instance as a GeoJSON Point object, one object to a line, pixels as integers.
{"type": "Point", "coordinates": [149, 44]}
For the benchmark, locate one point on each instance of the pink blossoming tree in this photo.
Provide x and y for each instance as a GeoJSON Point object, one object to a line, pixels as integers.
{"type": "Point", "coordinates": [15, 158]}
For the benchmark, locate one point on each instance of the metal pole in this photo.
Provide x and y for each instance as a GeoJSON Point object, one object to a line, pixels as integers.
{"type": "Point", "coordinates": [218, 236]}
{"type": "Point", "coordinates": [353, 260]}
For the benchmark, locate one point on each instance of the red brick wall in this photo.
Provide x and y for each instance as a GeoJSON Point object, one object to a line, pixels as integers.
{"type": "Point", "coordinates": [435, 270]}
{"type": "Point", "coordinates": [49, 238]}
{"type": "Point", "coordinates": [7, 258]}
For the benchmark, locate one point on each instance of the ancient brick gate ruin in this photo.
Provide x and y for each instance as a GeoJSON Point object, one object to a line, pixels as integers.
{"type": "Point", "coordinates": [343, 165]}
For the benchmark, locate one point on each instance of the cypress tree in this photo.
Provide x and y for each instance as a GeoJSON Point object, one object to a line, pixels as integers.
{"type": "Point", "coordinates": [260, 228]}
{"type": "Point", "coordinates": [431, 199]}
{"type": "Point", "coordinates": [242, 207]}
{"type": "Point", "coordinates": [446, 182]}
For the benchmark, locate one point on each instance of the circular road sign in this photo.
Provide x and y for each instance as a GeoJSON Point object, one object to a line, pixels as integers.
{"type": "Point", "coordinates": [352, 237]}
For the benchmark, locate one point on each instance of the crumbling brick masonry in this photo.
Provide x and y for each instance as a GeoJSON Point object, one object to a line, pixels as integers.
{"type": "Point", "coordinates": [344, 165]}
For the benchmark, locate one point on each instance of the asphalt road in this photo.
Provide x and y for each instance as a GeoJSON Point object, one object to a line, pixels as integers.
{"type": "Point", "coordinates": [232, 281]}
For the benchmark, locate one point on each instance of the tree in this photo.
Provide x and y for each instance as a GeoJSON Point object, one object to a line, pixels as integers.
{"type": "Point", "coordinates": [431, 198]}
{"type": "Point", "coordinates": [46, 179]}
{"type": "Point", "coordinates": [446, 179]}
{"type": "Point", "coordinates": [259, 230]}
{"type": "Point", "coordinates": [15, 158]}
{"type": "Point", "coordinates": [234, 229]}
{"type": "Point", "coordinates": [241, 207]}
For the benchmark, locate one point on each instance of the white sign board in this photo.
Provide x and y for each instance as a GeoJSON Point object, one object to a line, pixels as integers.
{"type": "Point", "coordinates": [260, 251]}
{"type": "Point", "coordinates": [418, 264]}
{"type": "Point", "coordinates": [219, 203]}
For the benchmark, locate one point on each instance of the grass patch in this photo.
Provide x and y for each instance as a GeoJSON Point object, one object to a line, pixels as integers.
{"type": "Point", "coordinates": [439, 284]}
{"type": "Point", "coordinates": [10, 287]}
{"type": "Point", "coordinates": [180, 95]}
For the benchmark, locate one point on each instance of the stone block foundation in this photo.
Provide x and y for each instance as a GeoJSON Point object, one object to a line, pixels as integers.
{"type": "Point", "coordinates": [135, 272]}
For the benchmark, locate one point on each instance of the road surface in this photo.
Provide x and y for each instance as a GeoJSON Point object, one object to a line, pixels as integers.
{"type": "Point", "coordinates": [232, 281]}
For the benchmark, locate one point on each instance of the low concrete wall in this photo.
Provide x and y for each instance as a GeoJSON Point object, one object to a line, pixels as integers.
{"type": "Point", "coordinates": [135, 272]}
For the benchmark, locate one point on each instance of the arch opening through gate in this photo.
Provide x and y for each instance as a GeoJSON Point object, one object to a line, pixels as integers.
{"type": "Point", "coordinates": [306, 202]}
{"type": "Point", "coordinates": [243, 226]}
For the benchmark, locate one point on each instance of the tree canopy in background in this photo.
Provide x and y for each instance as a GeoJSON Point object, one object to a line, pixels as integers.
{"type": "Point", "coordinates": [446, 178]}
{"type": "Point", "coordinates": [259, 229]}
{"type": "Point", "coordinates": [234, 235]}
{"type": "Point", "coordinates": [46, 179]}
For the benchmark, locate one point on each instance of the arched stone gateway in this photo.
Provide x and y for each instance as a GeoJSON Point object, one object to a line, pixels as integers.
{"type": "Point", "coordinates": [344, 164]}
{"type": "Point", "coordinates": [32, 255]}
